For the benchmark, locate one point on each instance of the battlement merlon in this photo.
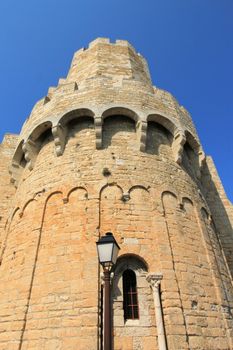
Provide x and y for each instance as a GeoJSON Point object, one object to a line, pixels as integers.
{"type": "Point", "coordinates": [117, 60]}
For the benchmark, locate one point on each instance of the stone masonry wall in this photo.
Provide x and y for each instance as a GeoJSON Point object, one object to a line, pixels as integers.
{"type": "Point", "coordinates": [51, 252]}
{"type": "Point", "coordinates": [221, 209]}
{"type": "Point", "coordinates": [7, 191]}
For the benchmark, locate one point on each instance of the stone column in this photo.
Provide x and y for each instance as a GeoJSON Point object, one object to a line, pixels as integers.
{"type": "Point", "coordinates": [154, 281]}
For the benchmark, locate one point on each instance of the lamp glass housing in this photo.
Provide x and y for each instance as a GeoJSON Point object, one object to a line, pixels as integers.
{"type": "Point", "coordinates": [115, 252]}
{"type": "Point", "coordinates": [108, 249]}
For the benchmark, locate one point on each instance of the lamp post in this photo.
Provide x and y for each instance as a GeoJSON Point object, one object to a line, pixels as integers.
{"type": "Point", "coordinates": [108, 249]}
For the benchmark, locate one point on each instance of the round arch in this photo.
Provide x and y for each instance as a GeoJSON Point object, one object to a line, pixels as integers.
{"type": "Point", "coordinates": [164, 121]}
{"type": "Point", "coordinates": [123, 111]}
{"type": "Point", "coordinates": [18, 154]}
{"type": "Point", "coordinates": [130, 261]}
{"type": "Point", "coordinates": [75, 114]}
{"type": "Point", "coordinates": [192, 141]}
{"type": "Point", "coordinates": [39, 130]}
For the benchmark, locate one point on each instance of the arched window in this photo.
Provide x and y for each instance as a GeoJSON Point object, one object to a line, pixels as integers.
{"type": "Point", "coordinates": [130, 297]}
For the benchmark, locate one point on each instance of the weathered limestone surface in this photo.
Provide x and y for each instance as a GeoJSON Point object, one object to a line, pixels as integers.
{"type": "Point", "coordinates": [7, 191]}
{"type": "Point", "coordinates": [221, 209]}
{"type": "Point", "coordinates": [107, 151]}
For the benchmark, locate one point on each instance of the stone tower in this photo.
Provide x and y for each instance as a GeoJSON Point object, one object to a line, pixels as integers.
{"type": "Point", "coordinates": [105, 150]}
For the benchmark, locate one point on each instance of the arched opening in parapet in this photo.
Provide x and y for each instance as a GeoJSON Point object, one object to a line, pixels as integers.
{"type": "Point", "coordinates": [18, 157]}
{"type": "Point", "coordinates": [114, 111]}
{"type": "Point", "coordinates": [79, 129]}
{"type": "Point", "coordinates": [75, 114]}
{"type": "Point", "coordinates": [190, 160]}
{"type": "Point", "coordinates": [158, 140]}
{"type": "Point", "coordinates": [18, 163]}
{"type": "Point", "coordinates": [38, 139]}
{"type": "Point", "coordinates": [164, 121]}
{"type": "Point", "coordinates": [192, 141]}
{"type": "Point", "coordinates": [119, 131]}
{"type": "Point", "coordinates": [41, 135]}
{"type": "Point", "coordinates": [81, 134]}
{"type": "Point", "coordinates": [76, 125]}
{"type": "Point", "coordinates": [190, 157]}
{"type": "Point", "coordinates": [45, 138]}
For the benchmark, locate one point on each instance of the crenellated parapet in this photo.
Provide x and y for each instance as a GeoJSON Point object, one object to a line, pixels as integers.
{"type": "Point", "coordinates": [126, 63]}
{"type": "Point", "coordinates": [57, 127]}
{"type": "Point", "coordinates": [106, 80]}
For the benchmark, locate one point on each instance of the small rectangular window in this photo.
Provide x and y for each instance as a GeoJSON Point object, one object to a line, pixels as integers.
{"type": "Point", "coordinates": [130, 297]}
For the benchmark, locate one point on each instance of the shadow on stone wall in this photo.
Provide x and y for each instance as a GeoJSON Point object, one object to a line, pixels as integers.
{"type": "Point", "coordinates": [217, 204]}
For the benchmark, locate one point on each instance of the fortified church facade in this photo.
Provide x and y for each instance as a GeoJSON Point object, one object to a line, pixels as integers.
{"type": "Point", "coordinates": [106, 150]}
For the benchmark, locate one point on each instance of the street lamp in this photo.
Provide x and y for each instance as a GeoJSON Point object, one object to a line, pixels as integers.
{"type": "Point", "coordinates": [108, 249]}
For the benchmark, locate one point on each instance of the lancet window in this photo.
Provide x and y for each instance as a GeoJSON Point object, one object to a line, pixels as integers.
{"type": "Point", "coordinates": [130, 296]}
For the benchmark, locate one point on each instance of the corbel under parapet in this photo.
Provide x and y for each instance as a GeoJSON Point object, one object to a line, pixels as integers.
{"type": "Point", "coordinates": [59, 134]}
{"type": "Point", "coordinates": [15, 171]}
{"type": "Point", "coordinates": [201, 158]}
{"type": "Point", "coordinates": [98, 132]}
{"type": "Point", "coordinates": [30, 149]}
{"type": "Point", "coordinates": [142, 132]}
{"type": "Point", "coordinates": [178, 146]}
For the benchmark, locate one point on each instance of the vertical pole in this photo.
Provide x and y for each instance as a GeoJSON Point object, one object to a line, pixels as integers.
{"type": "Point", "coordinates": [101, 315]}
{"type": "Point", "coordinates": [107, 312]}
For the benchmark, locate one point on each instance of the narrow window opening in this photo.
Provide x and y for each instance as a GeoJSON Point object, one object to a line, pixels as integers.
{"type": "Point", "coordinates": [130, 296]}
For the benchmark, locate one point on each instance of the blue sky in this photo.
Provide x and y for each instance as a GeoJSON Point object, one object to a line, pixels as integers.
{"type": "Point", "coordinates": [188, 45]}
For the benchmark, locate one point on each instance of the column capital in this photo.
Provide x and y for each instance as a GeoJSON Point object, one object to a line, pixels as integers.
{"type": "Point", "coordinates": [154, 279]}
